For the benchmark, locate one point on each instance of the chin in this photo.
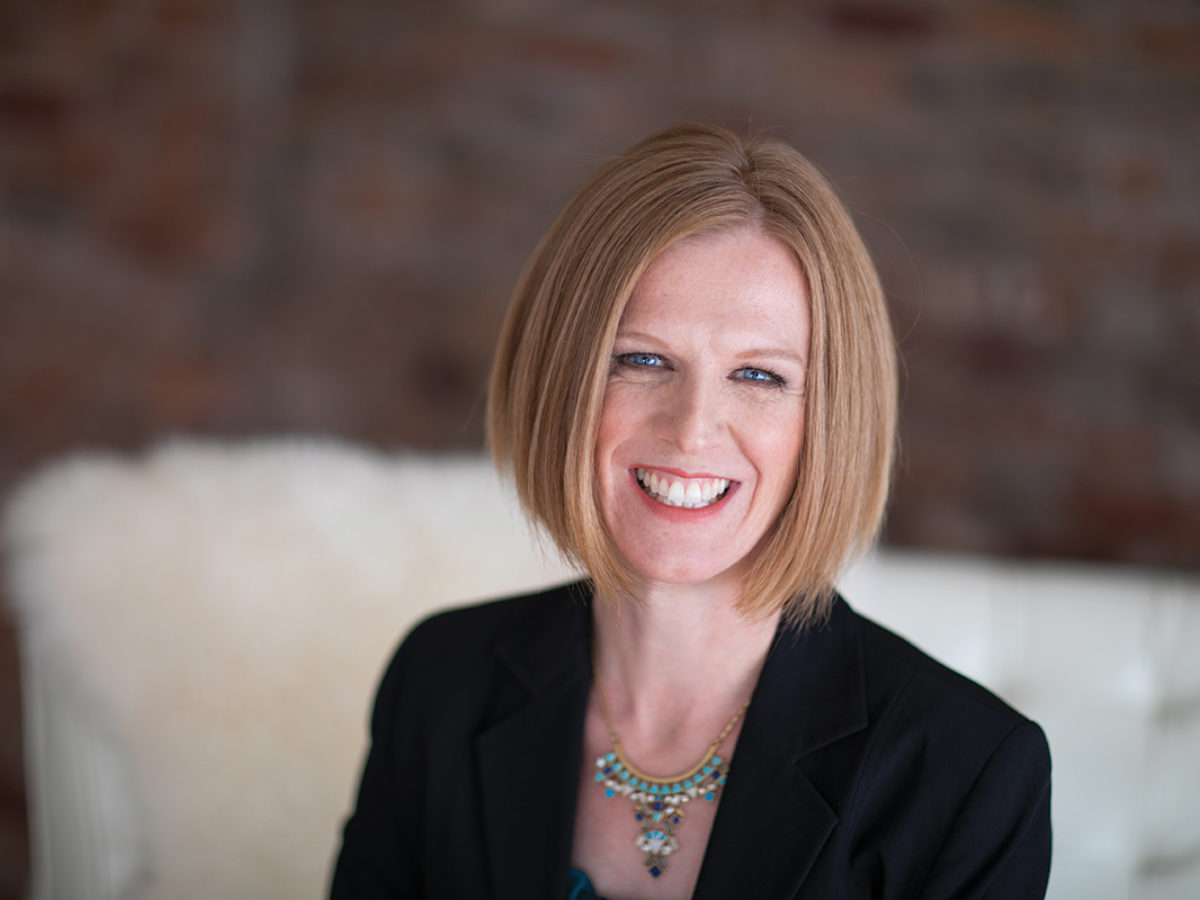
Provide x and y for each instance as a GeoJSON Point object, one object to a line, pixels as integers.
{"type": "Point", "coordinates": [699, 573]}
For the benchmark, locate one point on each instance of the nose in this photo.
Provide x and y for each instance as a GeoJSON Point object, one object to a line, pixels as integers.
{"type": "Point", "coordinates": [694, 414]}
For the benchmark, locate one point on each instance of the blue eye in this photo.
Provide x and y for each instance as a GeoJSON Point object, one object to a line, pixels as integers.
{"type": "Point", "coordinates": [640, 360]}
{"type": "Point", "coordinates": [760, 376]}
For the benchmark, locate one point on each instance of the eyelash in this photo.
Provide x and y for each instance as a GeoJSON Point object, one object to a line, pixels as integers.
{"type": "Point", "coordinates": [773, 379]}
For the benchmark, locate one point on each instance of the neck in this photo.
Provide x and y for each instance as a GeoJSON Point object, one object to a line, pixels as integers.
{"type": "Point", "coordinates": [677, 654]}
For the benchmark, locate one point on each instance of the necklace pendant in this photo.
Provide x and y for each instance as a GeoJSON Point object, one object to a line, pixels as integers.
{"type": "Point", "coordinates": [660, 805]}
{"type": "Point", "coordinates": [657, 843]}
{"type": "Point", "coordinates": [657, 840]}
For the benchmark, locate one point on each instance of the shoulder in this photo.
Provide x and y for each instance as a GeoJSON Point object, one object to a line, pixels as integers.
{"type": "Point", "coordinates": [908, 689]}
{"type": "Point", "coordinates": [452, 657]}
{"type": "Point", "coordinates": [469, 630]}
{"type": "Point", "coordinates": [896, 666]}
{"type": "Point", "coordinates": [945, 785]}
{"type": "Point", "coordinates": [967, 761]}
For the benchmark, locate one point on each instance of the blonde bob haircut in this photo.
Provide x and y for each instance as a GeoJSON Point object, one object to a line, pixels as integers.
{"type": "Point", "coordinates": [554, 355]}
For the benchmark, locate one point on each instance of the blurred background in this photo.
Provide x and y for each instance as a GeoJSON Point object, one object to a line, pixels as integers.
{"type": "Point", "coordinates": [243, 218]}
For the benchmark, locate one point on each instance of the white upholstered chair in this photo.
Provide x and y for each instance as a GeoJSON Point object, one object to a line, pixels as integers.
{"type": "Point", "coordinates": [201, 629]}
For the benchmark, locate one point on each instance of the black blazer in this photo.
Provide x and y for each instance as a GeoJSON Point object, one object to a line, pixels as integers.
{"type": "Point", "coordinates": [864, 769]}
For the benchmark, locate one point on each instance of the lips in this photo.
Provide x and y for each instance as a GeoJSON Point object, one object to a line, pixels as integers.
{"type": "Point", "coordinates": [677, 491]}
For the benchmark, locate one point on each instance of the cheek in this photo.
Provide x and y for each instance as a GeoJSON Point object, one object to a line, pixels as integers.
{"type": "Point", "coordinates": [612, 431]}
{"type": "Point", "coordinates": [779, 444]}
{"type": "Point", "coordinates": [618, 420]}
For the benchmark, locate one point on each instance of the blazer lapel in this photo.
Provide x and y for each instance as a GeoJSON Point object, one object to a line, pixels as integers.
{"type": "Point", "coordinates": [772, 822]}
{"type": "Point", "coordinates": [528, 761]}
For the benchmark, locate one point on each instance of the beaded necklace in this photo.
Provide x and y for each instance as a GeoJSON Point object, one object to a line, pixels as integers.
{"type": "Point", "coordinates": [660, 804]}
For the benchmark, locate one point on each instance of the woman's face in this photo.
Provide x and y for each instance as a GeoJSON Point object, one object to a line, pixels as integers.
{"type": "Point", "coordinates": [703, 413]}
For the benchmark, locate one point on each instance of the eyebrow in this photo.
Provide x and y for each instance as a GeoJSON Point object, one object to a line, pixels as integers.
{"type": "Point", "coordinates": [774, 353]}
{"type": "Point", "coordinates": [752, 353]}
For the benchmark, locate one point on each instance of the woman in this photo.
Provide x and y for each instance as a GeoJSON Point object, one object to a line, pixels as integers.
{"type": "Point", "coordinates": [695, 392]}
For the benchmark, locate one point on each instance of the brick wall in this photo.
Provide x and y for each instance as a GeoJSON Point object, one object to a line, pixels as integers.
{"type": "Point", "coordinates": [294, 216]}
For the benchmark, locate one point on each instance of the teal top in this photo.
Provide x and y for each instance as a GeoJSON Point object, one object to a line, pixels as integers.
{"type": "Point", "coordinates": [579, 886]}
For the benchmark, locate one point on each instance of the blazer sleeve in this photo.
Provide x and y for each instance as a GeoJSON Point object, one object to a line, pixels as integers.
{"type": "Point", "coordinates": [999, 845]}
{"type": "Point", "coordinates": [378, 856]}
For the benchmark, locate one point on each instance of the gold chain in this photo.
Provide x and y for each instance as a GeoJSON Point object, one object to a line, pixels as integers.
{"type": "Point", "coordinates": [616, 741]}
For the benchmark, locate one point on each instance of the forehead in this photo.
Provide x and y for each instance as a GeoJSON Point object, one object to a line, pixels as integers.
{"type": "Point", "coordinates": [730, 280]}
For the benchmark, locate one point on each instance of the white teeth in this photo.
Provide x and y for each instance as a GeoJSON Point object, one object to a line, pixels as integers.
{"type": "Point", "coordinates": [676, 493]}
{"type": "Point", "coordinates": [690, 493]}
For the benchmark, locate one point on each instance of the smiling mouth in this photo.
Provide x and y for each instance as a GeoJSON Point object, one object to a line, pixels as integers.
{"type": "Point", "coordinates": [687, 493]}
